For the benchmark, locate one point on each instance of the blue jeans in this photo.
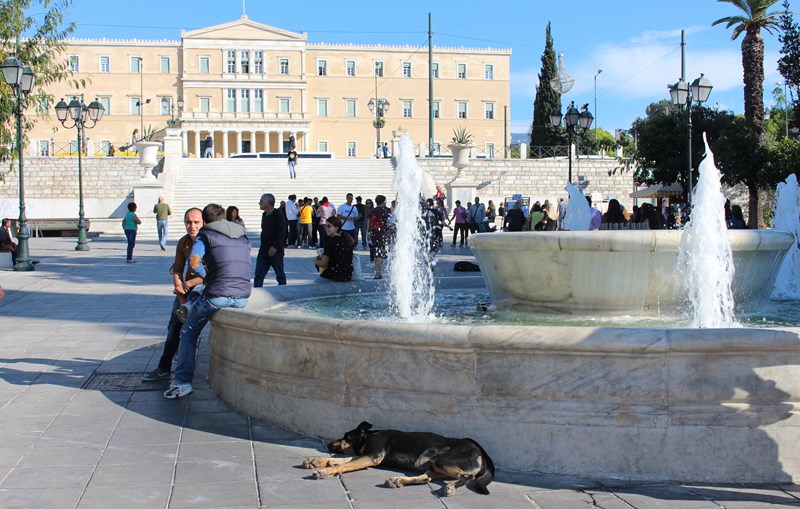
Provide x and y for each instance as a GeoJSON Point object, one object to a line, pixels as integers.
{"type": "Point", "coordinates": [131, 236]}
{"type": "Point", "coordinates": [163, 228]}
{"type": "Point", "coordinates": [190, 332]}
{"type": "Point", "coordinates": [172, 340]}
{"type": "Point", "coordinates": [292, 174]}
{"type": "Point", "coordinates": [263, 262]}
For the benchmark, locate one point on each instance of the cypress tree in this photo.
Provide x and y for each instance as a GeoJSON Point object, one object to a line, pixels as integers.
{"type": "Point", "coordinates": [547, 99]}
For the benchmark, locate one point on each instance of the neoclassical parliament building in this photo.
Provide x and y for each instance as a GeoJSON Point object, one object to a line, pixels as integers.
{"type": "Point", "coordinates": [251, 87]}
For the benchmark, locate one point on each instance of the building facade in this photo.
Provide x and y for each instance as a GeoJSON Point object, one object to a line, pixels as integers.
{"type": "Point", "coordinates": [252, 87]}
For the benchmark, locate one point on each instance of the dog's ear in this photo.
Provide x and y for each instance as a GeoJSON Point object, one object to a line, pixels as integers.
{"type": "Point", "coordinates": [364, 426]}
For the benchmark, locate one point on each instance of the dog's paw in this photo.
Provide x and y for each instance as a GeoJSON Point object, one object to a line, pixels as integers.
{"type": "Point", "coordinates": [394, 482]}
{"type": "Point", "coordinates": [316, 462]}
{"type": "Point", "coordinates": [321, 473]}
{"type": "Point", "coordinates": [449, 490]}
{"type": "Point", "coordinates": [308, 463]}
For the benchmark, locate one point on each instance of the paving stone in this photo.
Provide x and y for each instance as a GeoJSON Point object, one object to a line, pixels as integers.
{"type": "Point", "coordinates": [82, 455]}
{"type": "Point", "coordinates": [306, 493]}
{"type": "Point", "coordinates": [740, 497]}
{"type": "Point", "coordinates": [10, 456]}
{"type": "Point", "coordinates": [224, 451]}
{"type": "Point", "coordinates": [48, 476]}
{"type": "Point", "coordinates": [214, 470]}
{"type": "Point", "coordinates": [139, 454]}
{"type": "Point", "coordinates": [39, 498]}
{"type": "Point", "coordinates": [664, 496]}
{"type": "Point", "coordinates": [216, 494]}
{"type": "Point", "coordinates": [122, 497]}
{"type": "Point", "coordinates": [153, 474]}
{"type": "Point", "coordinates": [560, 499]}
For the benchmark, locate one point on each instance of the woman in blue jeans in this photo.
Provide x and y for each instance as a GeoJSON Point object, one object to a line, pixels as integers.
{"type": "Point", "coordinates": [130, 225]}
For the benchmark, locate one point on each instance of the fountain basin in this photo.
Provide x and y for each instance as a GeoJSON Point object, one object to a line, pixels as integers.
{"type": "Point", "coordinates": [686, 405]}
{"type": "Point", "coordinates": [616, 271]}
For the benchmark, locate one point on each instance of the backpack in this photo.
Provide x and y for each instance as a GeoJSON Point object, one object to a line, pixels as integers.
{"type": "Point", "coordinates": [377, 221]}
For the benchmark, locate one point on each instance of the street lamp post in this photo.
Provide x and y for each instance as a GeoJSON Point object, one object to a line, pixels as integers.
{"type": "Point", "coordinates": [83, 117]}
{"type": "Point", "coordinates": [20, 78]}
{"type": "Point", "coordinates": [166, 103]}
{"type": "Point", "coordinates": [573, 118]}
{"type": "Point", "coordinates": [380, 107]}
{"type": "Point", "coordinates": [595, 103]}
{"type": "Point", "coordinates": [683, 94]}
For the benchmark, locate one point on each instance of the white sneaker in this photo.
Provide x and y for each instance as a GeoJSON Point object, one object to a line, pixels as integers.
{"type": "Point", "coordinates": [178, 391]}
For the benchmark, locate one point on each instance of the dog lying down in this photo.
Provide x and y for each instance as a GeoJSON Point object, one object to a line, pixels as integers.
{"type": "Point", "coordinates": [458, 459]}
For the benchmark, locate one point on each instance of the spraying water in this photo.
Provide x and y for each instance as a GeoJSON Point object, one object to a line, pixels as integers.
{"type": "Point", "coordinates": [411, 278]}
{"type": "Point", "coordinates": [705, 258]}
{"type": "Point", "coordinates": [787, 217]}
{"type": "Point", "coordinates": [579, 212]}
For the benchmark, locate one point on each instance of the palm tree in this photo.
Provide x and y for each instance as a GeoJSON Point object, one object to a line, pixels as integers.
{"type": "Point", "coordinates": [754, 18]}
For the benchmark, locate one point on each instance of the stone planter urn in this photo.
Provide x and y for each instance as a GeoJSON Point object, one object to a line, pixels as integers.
{"type": "Point", "coordinates": [460, 154]}
{"type": "Point", "coordinates": [148, 152]}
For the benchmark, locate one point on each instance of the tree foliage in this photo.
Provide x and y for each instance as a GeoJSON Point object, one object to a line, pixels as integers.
{"type": "Point", "coordinates": [41, 43]}
{"type": "Point", "coordinates": [547, 99]}
{"type": "Point", "coordinates": [789, 63]}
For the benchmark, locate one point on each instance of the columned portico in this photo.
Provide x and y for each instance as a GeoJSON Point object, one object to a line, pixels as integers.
{"type": "Point", "coordinates": [228, 138]}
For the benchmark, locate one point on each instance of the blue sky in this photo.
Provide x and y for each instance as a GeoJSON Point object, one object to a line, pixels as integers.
{"type": "Point", "coordinates": [635, 42]}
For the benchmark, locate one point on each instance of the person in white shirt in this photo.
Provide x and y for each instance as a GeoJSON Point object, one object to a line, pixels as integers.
{"type": "Point", "coordinates": [291, 220]}
{"type": "Point", "coordinates": [348, 212]}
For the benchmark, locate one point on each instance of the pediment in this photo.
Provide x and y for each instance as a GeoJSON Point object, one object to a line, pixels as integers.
{"type": "Point", "coordinates": [244, 29]}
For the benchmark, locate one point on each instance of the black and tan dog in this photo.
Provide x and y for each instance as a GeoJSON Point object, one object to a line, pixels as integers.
{"type": "Point", "coordinates": [458, 459]}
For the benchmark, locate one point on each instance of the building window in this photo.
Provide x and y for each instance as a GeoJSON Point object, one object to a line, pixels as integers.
{"type": "Point", "coordinates": [437, 105]}
{"type": "Point", "coordinates": [106, 102]}
{"type": "Point", "coordinates": [205, 104]}
{"type": "Point", "coordinates": [136, 65]}
{"type": "Point", "coordinates": [462, 71]}
{"type": "Point", "coordinates": [406, 69]}
{"type": "Point", "coordinates": [43, 104]}
{"type": "Point", "coordinates": [322, 67]}
{"type": "Point", "coordinates": [488, 109]}
{"type": "Point", "coordinates": [379, 69]}
{"type": "Point", "coordinates": [231, 103]}
{"type": "Point", "coordinates": [258, 62]}
{"type": "Point", "coordinates": [164, 61]}
{"type": "Point", "coordinates": [283, 105]}
{"type": "Point", "coordinates": [245, 95]}
{"type": "Point", "coordinates": [322, 107]}
{"type": "Point", "coordinates": [351, 149]}
{"type": "Point", "coordinates": [488, 72]}
{"type": "Point", "coordinates": [136, 106]}
{"type": "Point", "coordinates": [407, 111]}
{"type": "Point", "coordinates": [105, 146]}
{"type": "Point", "coordinates": [258, 101]}
{"type": "Point", "coordinates": [284, 65]}
{"type": "Point", "coordinates": [231, 61]}
{"type": "Point", "coordinates": [350, 67]}
{"type": "Point", "coordinates": [105, 64]}
{"type": "Point", "coordinates": [73, 146]}
{"type": "Point", "coordinates": [205, 65]}
{"type": "Point", "coordinates": [490, 150]}
{"type": "Point", "coordinates": [44, 148]}
{"type": "Point", "coordinates": [166, 107]}
{"type": "Point", "coordinates": [435, 70]}
{"type": "Point", "coordinates": [462, 109]}
{"type": "Point", "coordinates": [350, 107]}
{"type": "Point", "coordinates": [322, 146]}
{"type": "Point", "coordinates": [74, 63]}
{"type": "Point", "coordinates": [244, 61]}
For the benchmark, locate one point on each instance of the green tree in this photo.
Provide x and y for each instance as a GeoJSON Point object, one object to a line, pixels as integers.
{"type": "Point", "coordinates": [547, 99]}
{"type": "Point", "coordinates": [789, 63]}
{"type": "Point", "coordinates": [41, 47]}
{"type": "Point", "coordinates": [755, 18]}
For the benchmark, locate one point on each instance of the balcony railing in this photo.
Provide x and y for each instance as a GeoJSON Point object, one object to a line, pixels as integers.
{"type": "Point", "coordinates": [241, 115]}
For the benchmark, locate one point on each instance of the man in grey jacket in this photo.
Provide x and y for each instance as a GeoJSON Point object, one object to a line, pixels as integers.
{"type": "Point", "coordinates": [221, 254]}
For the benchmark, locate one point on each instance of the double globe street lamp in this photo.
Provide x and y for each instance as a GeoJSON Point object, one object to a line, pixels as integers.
{"type": "Point", "coordinates": [380, 107]}
{"type": "Point", "coordinates": [20, 78]}
{"type": "Point", "coordinates": [166, 104]}
{"type": "Point", "coordinates": [82, 117]}
{"type": "Point", "coordinates": [573, 119]}
{"type": "Point", "coordinates": [682, 94]}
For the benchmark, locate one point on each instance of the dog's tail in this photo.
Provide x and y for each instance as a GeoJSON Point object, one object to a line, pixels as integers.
{"type": "Point", "coordinates": [486, 474]}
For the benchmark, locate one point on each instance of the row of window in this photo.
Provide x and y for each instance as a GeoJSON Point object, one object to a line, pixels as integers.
{"type": "Point", "coordinates": [246, 65]}
{"type": "Point", "coordinates": [407, 108]}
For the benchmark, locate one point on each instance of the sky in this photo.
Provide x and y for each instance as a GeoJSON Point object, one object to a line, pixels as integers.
{"type": "Point", "coordinates": [636, 43]}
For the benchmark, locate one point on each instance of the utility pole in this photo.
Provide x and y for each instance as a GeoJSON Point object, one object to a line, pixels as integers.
{"type": "Point", "coordinates": [430, 86]}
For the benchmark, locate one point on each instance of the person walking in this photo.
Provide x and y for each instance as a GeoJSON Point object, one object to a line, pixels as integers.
{"type": "Point", "coordinates": [292, 161]}
{"type": "Point", "coordinates": [460, 217]}
{"type": "Point", "coordinates": [361, 223]}
{"type": "Point", "coordinates": [162, 211]}
{"type": "Point", "coordinates": [379, 233]}
{"type": "Point", "coordinates": [348, 213]}
{"type": "Point", "coordinates": [223, 248]}
{"type": "Point", "coordinates": [130, 224]}
{"type": "Point", "coordinates": [183, 283]}
{"type": "Point", "coordinates": [291, 220]}
{"type": "Point", "coordinates": [273, 234]}
{"type": "Point", "coordinates": [306, 213]}
{"type": "Point", "coordinates": [209, 151]}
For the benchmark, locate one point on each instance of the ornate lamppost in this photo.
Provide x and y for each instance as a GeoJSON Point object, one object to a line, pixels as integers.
{"type": "Point", "coordinates": [21, 79]}
{"type": "Point", "coordinates": [82, 117]}
{"type": "Point", "coordinates": [574, 118]}
{"type": "Point", "coordinates": [166, 103]}
{"type": "Point", "coordinates": [682, 95]}
{"type": "Point", "coordinates": [380, 107]}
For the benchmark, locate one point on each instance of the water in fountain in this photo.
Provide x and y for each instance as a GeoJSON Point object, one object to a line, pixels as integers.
{"type": "Point", "coordinates": [579, 212]}
{"type": "Point", "coordinates": [410, 275]}
{"type": "Point", "coordinates": [787, 217]}
{"type": "Point", "coordinates": [705, 258]}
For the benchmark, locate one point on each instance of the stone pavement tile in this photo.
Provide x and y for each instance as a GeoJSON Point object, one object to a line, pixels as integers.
{"type": "Point", "coordinates": [664, 496]}
{"type": "Point", "coordinates": [139, 454]}
{"type": "Point", "coordinates": [214, 470]}
{"type": "Point", "coordinates": [745, 497]}
{"type": "Point", "coordinates": [80, 455]}
{"type": "Point", "coordinates": [305, 493]}
{"type": "Point", "coordinates": [282, 461]}
{"type": "Point", "coordinates": [535, 482]}
{"type": "Point", "coordinates": [129, 497]}
{"type": "Point", "coordinates": [19, 438]}
{"type": "Point", "coordinates": [223, 451]}
{"type": "Point", "coordinates": [163, 434]}
{"type": "Point", "coordinates": [152, 474]}
{"type": "Point", "coordinates": [471, 500]}
{"type": "Point", "coordinates": [40, 498]}
{"type": "Point", "coordinates": [561, 499]}
{"type": "Point", "coordinates": [214, 494]}
{"type": "Point", "coordinates": [267, 432]}
{"type": "Point", "coordinates": [208, 406]}
{"type": "Point", "coordinates": [201, 421]}
{"type": "Point", "coordinates": [160, 405]}
{"type": "Point", "coordinates": [222, 433]}
{"type": "Point", "coordinates": [85, 422]}
{"type": "Point", "coordinates": [10, 456]}
{"type": "Point", "coordinates": [25, 423]}
{"type": "Point", "coordinates": [155, 421]}
{"type": "Point", "coordinates": [72, 437]}
{"type": "Point", "coordinates": [48, 477]}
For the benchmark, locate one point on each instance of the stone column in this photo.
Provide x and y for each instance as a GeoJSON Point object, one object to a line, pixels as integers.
{"type": "Point", "coordinates": [225, 152]}
{"type": "Point", "coordinates": [523, 151]}
{"type": "Point", "coordinates": [238, 147]}
{"type": "Point", "coordinates": [197, 145]}
{"type": "Point", "coordinates": [185, 148]}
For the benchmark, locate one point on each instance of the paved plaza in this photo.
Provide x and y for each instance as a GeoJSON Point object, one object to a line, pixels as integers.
{"type": "Point", "coordinates": [79, 430]}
